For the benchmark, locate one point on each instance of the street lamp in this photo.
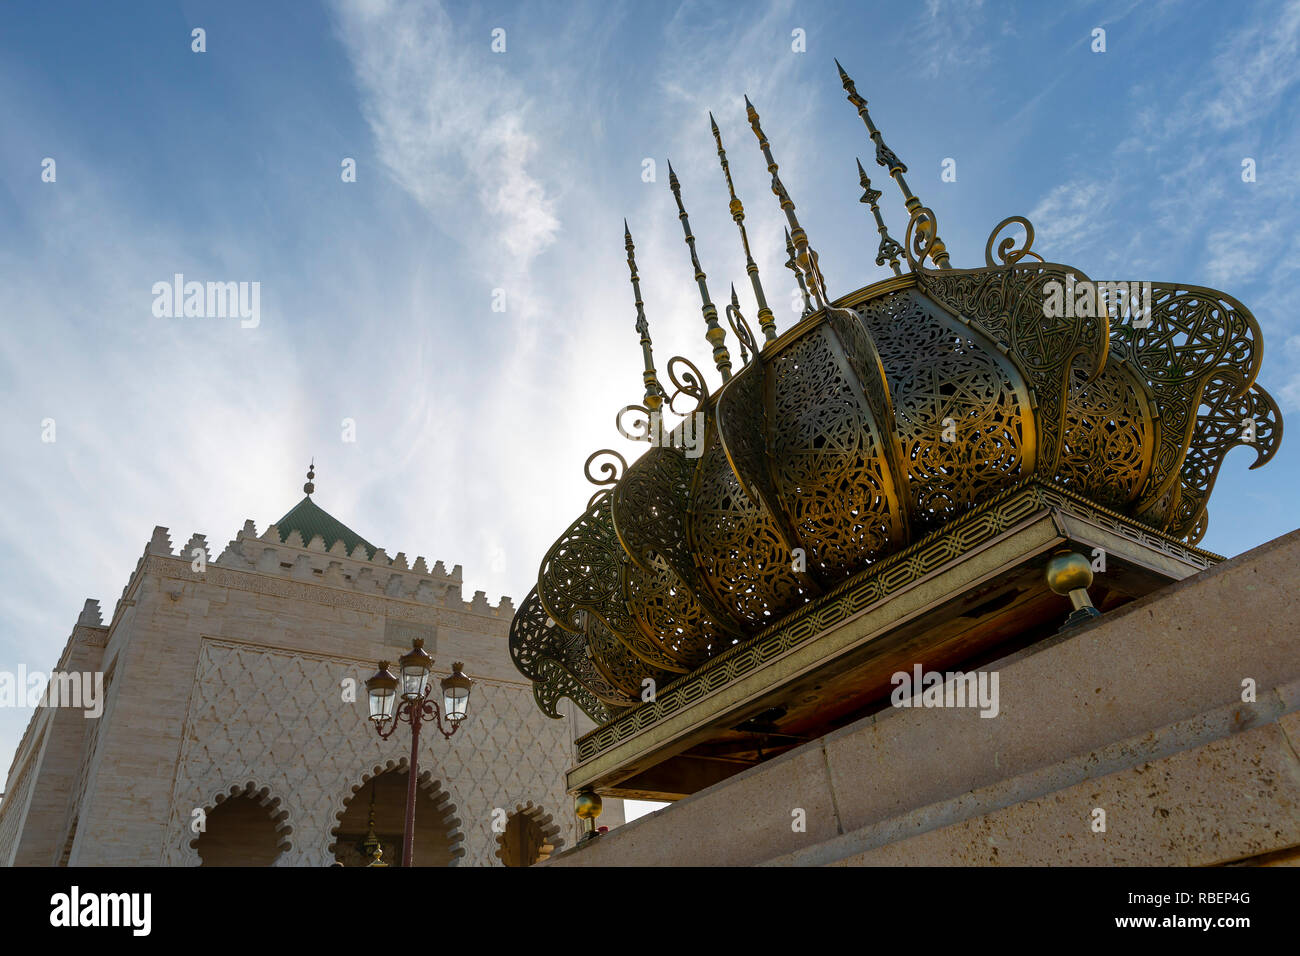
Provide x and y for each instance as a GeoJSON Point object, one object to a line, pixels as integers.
{"type": "Point", "coordinates": [415, 708]}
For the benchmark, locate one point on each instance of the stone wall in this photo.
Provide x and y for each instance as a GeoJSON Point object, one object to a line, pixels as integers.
{"type": "Point", "coordinates": [46, 779]}
{"type": "Point", "coordinates": [230, 678]}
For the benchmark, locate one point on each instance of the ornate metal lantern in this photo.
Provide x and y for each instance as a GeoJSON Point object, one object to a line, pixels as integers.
{"type": "Point", "coordinates": [455, 693]}
{"type": "Point", "coordinates": [381, 690]}
{"type": "Point", "coordinates": [887, 435]}
{"type": "Point", "coordinates": [415, 665]}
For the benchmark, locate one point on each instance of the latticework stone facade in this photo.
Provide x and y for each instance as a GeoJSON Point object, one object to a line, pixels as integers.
{"type": "Point", "coordinates": [245, 677]}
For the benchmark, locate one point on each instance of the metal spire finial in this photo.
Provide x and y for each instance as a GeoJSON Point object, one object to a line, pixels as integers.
{"type": "Point", "coordinates": [806, 257]}
{"type": "Point", "coordinates": [889, 159]}
{"type": "Point", "coordinates": [654, 393]}
{"type": "Point", "coordinates": [766, 321]}
{"type": "Point", "coordinates": [793, 266]}
{"type": "Point", "coordinates": [889, 250]}
{"type": "Point", "coordinates": [715, 333]}
{"type": "Point", "coordinates": [311, 475]}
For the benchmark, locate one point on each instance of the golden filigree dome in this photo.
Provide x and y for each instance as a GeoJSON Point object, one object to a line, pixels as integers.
{"type": "Point", "coordinates": [876, 420]}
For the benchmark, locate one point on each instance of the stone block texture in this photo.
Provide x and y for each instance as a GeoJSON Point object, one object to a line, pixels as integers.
{"type": "Point", "coordinates": [247, 676]}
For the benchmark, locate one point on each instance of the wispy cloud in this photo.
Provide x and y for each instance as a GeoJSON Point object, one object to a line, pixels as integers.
{"type": "Point", "coordinates": [449, 126]}
{"type": "Point", "coordinates": [1072, 216]}
{"type": "Point", "coordinates": [954, 34]}
{"type": "Point", "coordinates": [1255, 69]}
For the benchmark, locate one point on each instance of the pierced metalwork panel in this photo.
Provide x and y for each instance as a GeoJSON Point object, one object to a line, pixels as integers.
{"type": "Point", "coordinates": [742, 428]}
{"type": "Point", "coordinates": [1007, 303]}
{"type": "Point", "coordinates": [581, 576]}
{"type": "Point", "coordinates": [864, 358]}
{"type": "Point", "coordinates": [625, 671]}
{"type": "Point", "coordinates": [580, 571]}
{"type": "Point", "coordinates": [877, 583]}
{"type": "Point", "coordinates": [829, 460]}
{"type": "Point", "coordinates": [1159, 513]}
{"type": "Point", "coordinates": [669, 613]}
{"type": "Point", "coordinates": [962, 413]}
{"type": "Point", "coordinates": [557, 662]}
{"type": "Point", "coordinates": [1191, 334]}
{"type": "Point", "coordinates": [650, 506]}
{"type": "Point", "coordinates": [738, 545]}
{"type": "Point", "coordinates": [1231, 418]}
{"type": "Point", "coordinates": [1109, 436]}
{"type": "Point", "coordinates": [650, 509]}
{"type": "Point", "coordinates": [553, 683]}
{"type": "Point", "coordinates": [854, 434]}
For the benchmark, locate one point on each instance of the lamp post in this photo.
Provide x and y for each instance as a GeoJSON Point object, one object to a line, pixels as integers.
{"type": "Point", "coordinates": [415, 708]}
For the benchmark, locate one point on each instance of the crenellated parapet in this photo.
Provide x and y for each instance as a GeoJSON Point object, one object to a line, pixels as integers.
{"type": "Point", "coordinates": [358, 569]}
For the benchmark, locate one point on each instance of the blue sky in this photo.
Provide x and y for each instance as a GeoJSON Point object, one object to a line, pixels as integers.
{"type": "Point", "coordinates": [478, 171]}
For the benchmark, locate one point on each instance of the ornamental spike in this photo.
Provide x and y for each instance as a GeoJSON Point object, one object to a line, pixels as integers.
{"type": "Point", "coordinates": [889, 250]}
{"type": "Point", "coordinates": [805, 257]}
{"type": "Point", "coordinates": [714, 333]}
{"type": "Point", "coordinates": [654, 393]}
{"type": "Point", "coordinates": [766, 321]}
{"type": "Point", "coordinates": [887, 158]}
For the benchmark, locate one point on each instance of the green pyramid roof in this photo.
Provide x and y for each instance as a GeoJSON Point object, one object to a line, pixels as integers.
{"type": "Point", "coordinates": [309, 520]}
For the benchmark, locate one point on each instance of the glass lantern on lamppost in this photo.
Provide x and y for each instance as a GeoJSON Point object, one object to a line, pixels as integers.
{"type": "Point", "coordinates": [415, 708]}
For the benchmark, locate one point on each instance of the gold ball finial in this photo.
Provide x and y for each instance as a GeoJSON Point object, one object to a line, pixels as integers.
{"type": "Point", "coordinates": [588, 805]}
{"type": "Point", "coordinates": [311, 474]}
{"type": "Point", "coordinates": [1068, 571]}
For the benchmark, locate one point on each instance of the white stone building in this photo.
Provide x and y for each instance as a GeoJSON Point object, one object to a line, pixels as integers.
{"type": "Point", "coordinates": [225, 704]}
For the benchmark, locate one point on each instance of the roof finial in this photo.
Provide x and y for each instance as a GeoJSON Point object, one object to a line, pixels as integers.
{"type": "Point", "coordinates": [889, 250]}
{"type": "Point", "coordinates": [888, 158]}
{"type": "Point", "coordinates": [793, 266]}
{"type": "Point", "coordinates": [311, 474]}
{"type": "Point", "coordinates": [766, 321]}
{"type": "Point", "coordinates": [805, 256]}
{"type": "Point", "coordinates": [654, 393]}
{"type": "Point", "coordinates": [715, 334]}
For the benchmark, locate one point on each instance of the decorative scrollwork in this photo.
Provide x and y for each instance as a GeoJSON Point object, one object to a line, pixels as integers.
{"type": "Point", "coordinates": [642, 428]}
{"type": "Point", "coordinates": [864, 359]}
{"type": "Point", "coordinates": [610, 471]}
{"type": "Point", "coordinates": [557, 662]}
{"type": "Point", "coordinates": [888, 251]}
{"type": "Point", "coordinates": [1008, 254]}
{"type": "Point", "coordinates": [1232, 418]}
{"type": "Point", "coordinates": [581, 586]}
{"type": "Point", "coordinates": [741, 329]}
{"type": "Point", "coordinates": [673, 617]}
{"type": "Point", "coordinates": [1190, 335]}
{"type": "Point", "coordinates": [580, 571]}
{"type": "Point", "coordinates": [689, 383]}
{"type": "Point", "coordinates": [651, 507]}
{"type": "Point", "coordinates": [918, 241]}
